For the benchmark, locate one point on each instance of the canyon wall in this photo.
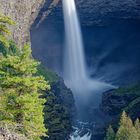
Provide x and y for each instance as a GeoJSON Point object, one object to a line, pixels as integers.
{"type": "Point", "coordinates": [23, 12]}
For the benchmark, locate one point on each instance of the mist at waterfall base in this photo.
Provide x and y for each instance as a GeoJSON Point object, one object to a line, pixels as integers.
{"type": "Point", "coordinates": [75, 73]}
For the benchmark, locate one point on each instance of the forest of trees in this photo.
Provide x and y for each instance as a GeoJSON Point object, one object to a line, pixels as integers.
{"type": "Point", "coordinates": [127, 129]}
{"type": "Point", "coordinates": [21, 108]}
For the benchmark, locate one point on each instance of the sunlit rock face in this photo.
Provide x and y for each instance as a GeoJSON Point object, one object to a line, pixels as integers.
{"type": "Point", "coordinates": [23, 12]}
{"type": "Point", "coordinates": [5, 134]}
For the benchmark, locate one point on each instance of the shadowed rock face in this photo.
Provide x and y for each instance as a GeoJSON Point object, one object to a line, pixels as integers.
{"type": "Point", "coordinates": [111, 31]}
{"type": "Point", "coordinates": [95, 11]}
{"type": "Point", "coordinates": [124, 98]}
{"type": "Point", "coordinates": [99, 11]}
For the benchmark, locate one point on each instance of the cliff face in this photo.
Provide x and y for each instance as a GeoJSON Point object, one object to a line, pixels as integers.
{"type": "Point", "coordinates": [23, 12]}
{"type": "Point", "coordinates": [60, 107]}
{"type": "Point", "coordinates": [97, 11]}
{"type": "Point", "coordinates": [125, 98]}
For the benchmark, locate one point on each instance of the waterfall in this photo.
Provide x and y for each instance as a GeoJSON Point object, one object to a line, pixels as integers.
{"type": "Point", "coordinates": [85, 137]}
{"type": "Point", "coordinates": [75, 73]}
{"type": "Point", "coordinates": [75, 69]}
{"type": "Point", "coordinates": [75, 61]}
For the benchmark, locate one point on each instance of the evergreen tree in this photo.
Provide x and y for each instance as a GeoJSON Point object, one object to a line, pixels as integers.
{"type": "Point", "coordinates": [110, 134]}
{"type": "Point", "coordinates": [21, 108]}
{"type": "Point", "coordinates": [4, 31]}
{"type": "Point", "coordinates": [20, 104]}
{"type": "Point", "coordinates": [126, 130]}
{"type": "Point", "coordinates": [137, 126]}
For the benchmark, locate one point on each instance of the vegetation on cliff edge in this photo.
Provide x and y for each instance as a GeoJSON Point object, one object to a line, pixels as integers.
{"type": "Point", "coordinates": [21, 108]}
{"type": "Point", "coordinates": [127, 130]}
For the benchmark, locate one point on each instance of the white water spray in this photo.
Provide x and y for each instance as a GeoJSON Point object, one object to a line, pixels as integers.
{"type": "Point", "coordinates": [74, 57]}
{"type": "Point", "coordinates": [75, 73]}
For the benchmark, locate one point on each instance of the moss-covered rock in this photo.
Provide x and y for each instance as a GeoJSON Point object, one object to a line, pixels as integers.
{"type": "Point", "coordinates": [59, 108]}
{"type": "Point", "coordinates": [125, 98]}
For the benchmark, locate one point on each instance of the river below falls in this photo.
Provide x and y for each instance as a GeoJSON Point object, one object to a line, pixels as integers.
{"type": "Point", "coordinates": [81, 131]}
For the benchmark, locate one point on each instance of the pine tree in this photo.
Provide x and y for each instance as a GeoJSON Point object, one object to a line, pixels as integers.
{"type": "Point", "coordinates": [21, 108]}
{"type": "Point", "coordinates": [126, 130]}
{"type": "Point", "coordinates": [19, 99]}
{"type": "Point", "coordinates": [4, 31]}
{"type": "Point", "coordinates": [110, 134]}
{"type": "Point", "coordinates": [137, 126]}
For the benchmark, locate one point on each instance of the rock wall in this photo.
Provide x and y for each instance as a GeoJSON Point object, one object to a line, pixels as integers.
{"type": "Point", "coordinates": [124, 98]}
{"type": "Point", "coordinates": [98, 11]}
{"type": "Point", "coordinates": [23, 12]}
{"type": "Point", "coordinates": [60, 107]}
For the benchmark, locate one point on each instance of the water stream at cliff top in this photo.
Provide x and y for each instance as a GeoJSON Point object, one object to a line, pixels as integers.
{"type": "Point", "coordinates": [75, 69]}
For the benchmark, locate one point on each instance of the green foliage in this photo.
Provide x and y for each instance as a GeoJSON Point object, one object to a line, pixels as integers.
{"type": "Point", "coordinates": [132, 89]}
{"type": "Point", "coordinates": [59, 105]}
{"type": "Point", "coordinates": [11, 50]}
{"type": "Point", "coordinates": [132, 104]}
{"type": "Point", "coordinates": [4, 31]}
{"type": "Point", "coordinates": [6, 20]}
{"type": "Point", "coordinates": [137, 126]}
{"type": "Point", "coordinates": [21, 108]}
{"type": "Point", "coordinates": [4, 41]}
{"type": "Point", "coordinates": [126, 131]}
{"type": "Point", "coordinates": [20, 91]}
{"type": "Point", "coordinates": [131, 95]}
{"type": "Point", "coordinates": [56, 116]}
{"type": "Point", "coordinates": [110, 134]}
{"type": "Point", "coordinates": [48, 74]}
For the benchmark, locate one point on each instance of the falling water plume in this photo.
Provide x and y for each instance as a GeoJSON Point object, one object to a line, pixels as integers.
{"type": "Point", "coordinates": [75, 73]}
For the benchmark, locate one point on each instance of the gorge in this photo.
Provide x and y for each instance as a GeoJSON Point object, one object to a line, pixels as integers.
{"type": "Point", "coordinates": [103, 39]}
{"type": "Point", "coordinates": [87, 49]}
